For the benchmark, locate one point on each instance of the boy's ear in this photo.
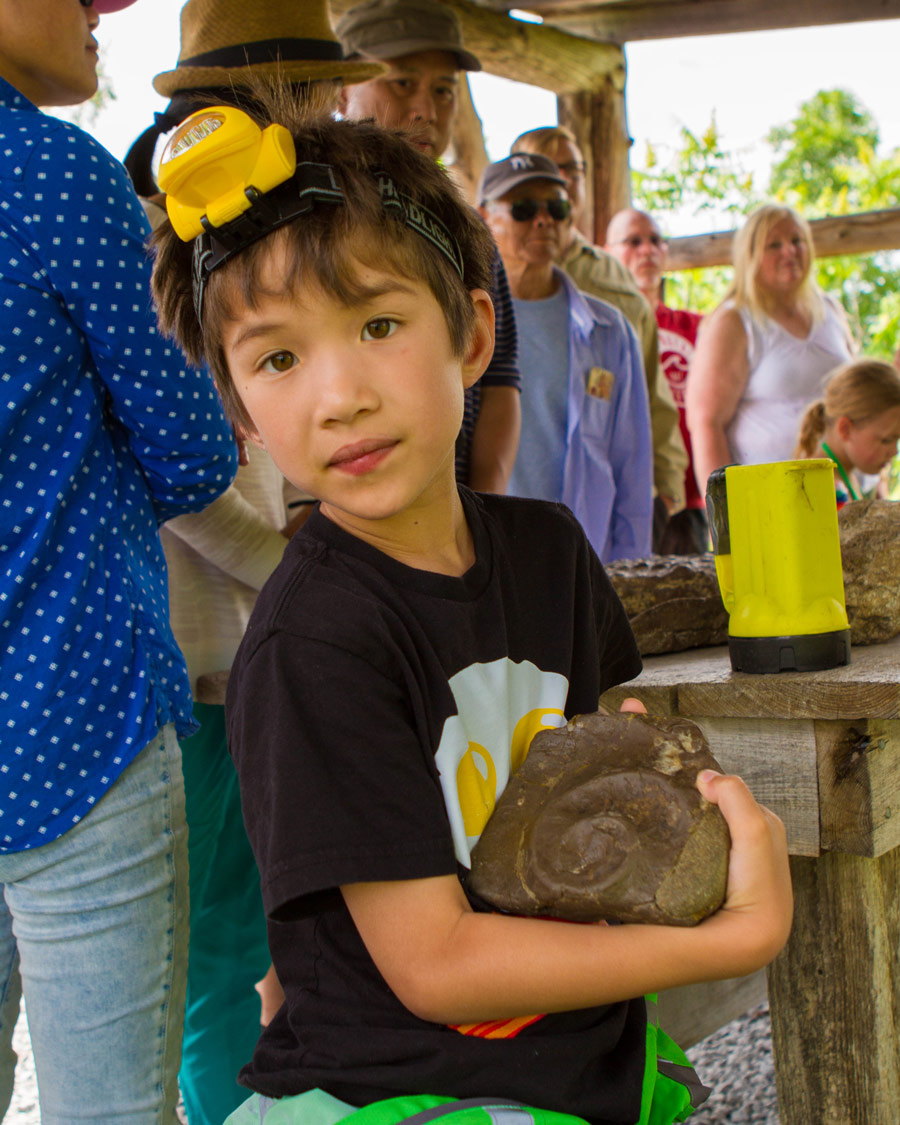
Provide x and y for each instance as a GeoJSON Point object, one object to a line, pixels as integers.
{"type": "Point", "coordinates": [481, 343]}
{"type": "Point", "coordinates": [342, 102]}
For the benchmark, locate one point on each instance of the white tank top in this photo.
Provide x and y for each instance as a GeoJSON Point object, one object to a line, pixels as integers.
{"type": "Point", "coordinates": [786, 374]}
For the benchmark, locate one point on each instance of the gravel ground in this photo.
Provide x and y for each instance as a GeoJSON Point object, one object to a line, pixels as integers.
{"type": "Point", "coordinates": [736, 1061]}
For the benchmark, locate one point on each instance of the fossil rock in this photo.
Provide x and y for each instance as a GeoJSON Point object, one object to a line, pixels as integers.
{"type": "Point", "coordinates": [603, 821]}
{"type": "Point", "coordinates": [870, 552]}
{"type": "Point", "coordinates": [672, 601]}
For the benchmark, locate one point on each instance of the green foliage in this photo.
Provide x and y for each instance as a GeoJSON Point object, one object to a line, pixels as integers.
{"type": "Point", "coordinates": [698, 177]}
{"type": "Point", "coordinates": [818, 149]}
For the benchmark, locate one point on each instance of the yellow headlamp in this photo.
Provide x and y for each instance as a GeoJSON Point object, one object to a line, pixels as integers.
{"type": "Point", "coordinates": [229, 183]}
{"type": "Point", "coordinates": [211, 161]}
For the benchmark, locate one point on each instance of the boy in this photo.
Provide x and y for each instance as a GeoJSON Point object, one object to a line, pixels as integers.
{"type": "Point", "coordinates": [411, 642]}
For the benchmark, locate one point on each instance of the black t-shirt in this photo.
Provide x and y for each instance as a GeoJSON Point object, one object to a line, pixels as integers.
{"type": "Point", "coordinates": [375, 712]}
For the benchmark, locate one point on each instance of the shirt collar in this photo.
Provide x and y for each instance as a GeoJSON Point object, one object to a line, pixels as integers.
{"type": "Point", "coordinates": [10, 98]}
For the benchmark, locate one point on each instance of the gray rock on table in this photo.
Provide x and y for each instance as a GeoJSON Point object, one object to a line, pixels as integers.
{"type": "Point", "coordinates": [870, 552]}
{"type": "Point", "coordinates": [603, 821]}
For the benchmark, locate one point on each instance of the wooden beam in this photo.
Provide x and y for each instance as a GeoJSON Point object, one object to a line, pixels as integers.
{"type": "Point", "coordinates": [528, 52]}
{"type": "Point", "coordinates": [621, 21]}
{"type": "Point", "coordinates": [597, 118]}
{"type": "Point", "coordinates": [837, 234]}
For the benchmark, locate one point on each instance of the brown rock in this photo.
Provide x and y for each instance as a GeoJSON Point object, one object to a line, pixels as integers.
{"type": "Point", "coordinates": [603, 821]}
{"type": "Point", "coordinates": [870, 552]}
{"type": "Point", "coordinates": [672, 601]}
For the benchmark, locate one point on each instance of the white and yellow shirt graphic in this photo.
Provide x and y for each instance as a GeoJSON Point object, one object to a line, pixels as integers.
{"type": "Point", "coordinates": [482, 744]}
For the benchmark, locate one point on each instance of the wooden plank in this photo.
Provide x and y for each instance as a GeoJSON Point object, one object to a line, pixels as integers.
{"type": "Point", "coordinates": [528, 52]}
{"type": "Point", "coordinates": [834, 997]}
{"type": "Point", "coordinates": [700, 683]}
{"type": "Point", "coordinates": [864, 233]}
{"type": "Point", "coordinates": [622, 21]}
{"type": "Point", "coordinates": [694, 1011]}
{"type": "Point", "coordinates": [859, 786]}
{"type": "Point", "coordinates": [777, 759]}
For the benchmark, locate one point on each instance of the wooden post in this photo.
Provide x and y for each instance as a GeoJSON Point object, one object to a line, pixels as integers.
{"type": "Point", "coordinates": [597, 118]}
{"type": "Point", "coordinates": [469, 155]}
{"type": "Point", "coordinates": [834, 993]}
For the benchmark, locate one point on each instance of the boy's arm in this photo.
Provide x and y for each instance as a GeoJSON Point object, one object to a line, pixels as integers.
{"type": "Point", "coordinates": [448, 964]}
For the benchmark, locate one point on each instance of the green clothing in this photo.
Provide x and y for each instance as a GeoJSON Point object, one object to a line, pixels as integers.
{"type": "Point", "coordinates": [228, 951]}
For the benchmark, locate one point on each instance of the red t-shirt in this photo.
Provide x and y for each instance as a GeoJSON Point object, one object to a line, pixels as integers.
{"type": "Point", "coordinates": [677, 337]}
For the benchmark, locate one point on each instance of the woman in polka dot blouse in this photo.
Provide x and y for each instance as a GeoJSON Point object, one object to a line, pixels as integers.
{"type": "Point", "coordinates": [106, 434]}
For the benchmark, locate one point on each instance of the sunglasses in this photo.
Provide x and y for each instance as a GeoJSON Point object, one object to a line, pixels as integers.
{"type": "Point", "coordinates": [524, 210]}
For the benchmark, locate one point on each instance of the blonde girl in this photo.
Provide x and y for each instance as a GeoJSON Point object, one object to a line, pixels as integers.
{"type": "Point", "coordinates": [856, 423]}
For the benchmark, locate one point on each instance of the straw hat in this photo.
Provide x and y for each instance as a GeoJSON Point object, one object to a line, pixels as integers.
{"type": "Point", "coordinates": [286, 39]}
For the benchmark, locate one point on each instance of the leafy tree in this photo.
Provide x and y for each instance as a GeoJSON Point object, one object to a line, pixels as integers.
{"type": "Point", "coordinates": [698, 178]}
{"type": "Point", "coordinates": [819, 147]}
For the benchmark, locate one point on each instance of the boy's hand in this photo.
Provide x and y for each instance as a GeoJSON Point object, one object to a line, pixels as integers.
{"type": "Point", "coordinates": [758, 907]}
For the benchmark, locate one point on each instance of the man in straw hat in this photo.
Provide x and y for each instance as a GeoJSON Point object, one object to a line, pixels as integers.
{"type": "Point", "coordinates": [420, 44]}
{"type": "Point", "coordinates": [220, 559]}
{"type": "Point", "coordinates": [105, 432]}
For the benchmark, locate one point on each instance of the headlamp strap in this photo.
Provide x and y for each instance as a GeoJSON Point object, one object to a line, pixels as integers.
{"type": "Point", "coordinates": [419, 219]}
{"type": "Point", "coordinates": [311, 184]}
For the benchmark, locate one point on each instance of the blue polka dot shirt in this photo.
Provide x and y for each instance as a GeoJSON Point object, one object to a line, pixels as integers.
{"type": "Point", "coordinates": [105, 434]}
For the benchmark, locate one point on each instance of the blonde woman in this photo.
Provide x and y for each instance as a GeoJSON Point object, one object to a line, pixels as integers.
{"type": "Point", "coordinates": [765, 352]}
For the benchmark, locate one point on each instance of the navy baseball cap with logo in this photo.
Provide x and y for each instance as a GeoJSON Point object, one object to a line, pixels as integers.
{"type": "Point", "coordinates": [504, 175]}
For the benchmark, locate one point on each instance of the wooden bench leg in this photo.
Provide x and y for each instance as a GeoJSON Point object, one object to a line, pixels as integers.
{"type": "Point", "coordinates": [834, 994]}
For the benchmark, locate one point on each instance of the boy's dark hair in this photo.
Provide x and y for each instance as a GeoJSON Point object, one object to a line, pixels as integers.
{"type": "Point", "coordinates": [325, 244]}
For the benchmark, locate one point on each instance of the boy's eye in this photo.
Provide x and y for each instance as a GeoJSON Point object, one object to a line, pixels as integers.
{"type": "Point", "coordinates": [379, 328]}
{"type": "Point", "coordinates": [279, 362]}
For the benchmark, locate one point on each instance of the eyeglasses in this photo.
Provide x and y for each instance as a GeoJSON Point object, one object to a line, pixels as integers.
{"type": "Point", "coordinates": [636, 241]}
{"type": "Point", "coordinates": [524, 210]}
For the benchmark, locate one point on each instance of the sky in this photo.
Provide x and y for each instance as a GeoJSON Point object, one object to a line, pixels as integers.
{"type": "Point", "coordinates": [750, 82]}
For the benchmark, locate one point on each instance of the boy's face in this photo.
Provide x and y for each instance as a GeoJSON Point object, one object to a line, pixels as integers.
{"type": "Point", "coordinates": [360, 406]}
{"type": "Point", "coordinates": [48, 50]}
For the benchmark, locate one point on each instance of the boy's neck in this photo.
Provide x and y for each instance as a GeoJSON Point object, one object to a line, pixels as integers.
{"type": "Point", "coordinates": [437, 539]}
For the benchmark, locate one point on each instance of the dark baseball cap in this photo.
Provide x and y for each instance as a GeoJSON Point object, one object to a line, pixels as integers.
{"type": "Point", "coordinates": [388, 29]}
{"type": "Point", "coordinates": [499, 178]}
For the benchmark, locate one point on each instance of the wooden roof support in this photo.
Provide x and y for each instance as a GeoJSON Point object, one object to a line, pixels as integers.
{"type": "Point", "coordinates": [618, 21]}
{"type": "Point", "coordinates": [528, 52]}
{"type": "Point", "coordinates": [597, 118]}
{"type": "Point", "coordinates": [837, 234]}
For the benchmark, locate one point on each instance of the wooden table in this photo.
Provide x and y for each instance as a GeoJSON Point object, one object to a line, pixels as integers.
{"type": "Point", "coordinates": [822, 749]}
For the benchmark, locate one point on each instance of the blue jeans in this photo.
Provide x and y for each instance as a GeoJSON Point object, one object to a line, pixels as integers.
{"type": "Point", "coordinates": [99, 922]}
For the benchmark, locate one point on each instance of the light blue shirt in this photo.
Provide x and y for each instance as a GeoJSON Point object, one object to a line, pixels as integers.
{"type": "Point", "coordinates": [538, 470]}
{"type": "Point", "coordinates": [105, 434]}
{"type": "Point", "coordinates": [605, 443]}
